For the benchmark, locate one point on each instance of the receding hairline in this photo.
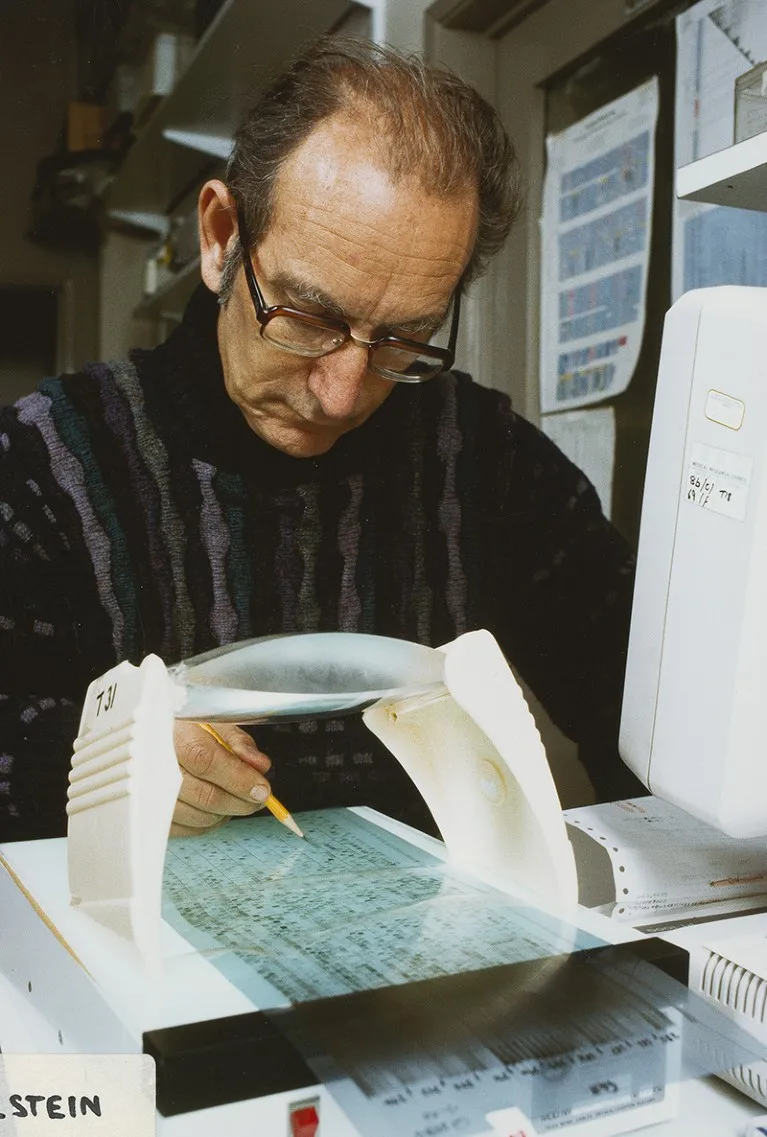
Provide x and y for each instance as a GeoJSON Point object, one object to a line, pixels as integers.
{"type": "Point", "coordinates": [424, 121]}
{"type": "Point", "coordinates": [414, 177]}
{"type": "Point", "coordinates": [409, 142]}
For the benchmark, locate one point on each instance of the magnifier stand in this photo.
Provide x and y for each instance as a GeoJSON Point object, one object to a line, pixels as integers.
{"type": "Point", "coordinates": [471, 747]}
{"type": "Point", "coordinates": [124, 783]}
{"type": "Point", "coordinates": [474, 752]}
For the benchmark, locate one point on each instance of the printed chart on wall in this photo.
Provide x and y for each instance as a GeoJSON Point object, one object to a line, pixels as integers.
{"type": "Point", "coordinates": [595, 229]}
{"type": "Point", "coordinates": [716, 42]}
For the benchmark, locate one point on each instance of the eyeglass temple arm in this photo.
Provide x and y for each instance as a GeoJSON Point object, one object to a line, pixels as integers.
{"type": "Point", "coordinates": [456, 319]}
{"type": "Point", "coordinates": [243, 237]}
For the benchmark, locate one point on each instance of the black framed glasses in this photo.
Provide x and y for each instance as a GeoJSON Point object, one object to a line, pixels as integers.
{"type": "Point", "coordinates": [303, 333]}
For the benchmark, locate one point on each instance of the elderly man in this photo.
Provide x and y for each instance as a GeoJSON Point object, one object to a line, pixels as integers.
{"type": "Point", "coordinates": [298, 456]}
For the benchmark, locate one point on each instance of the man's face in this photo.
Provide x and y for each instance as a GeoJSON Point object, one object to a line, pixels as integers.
{"type": "Point", "coordinates": [343, 242]}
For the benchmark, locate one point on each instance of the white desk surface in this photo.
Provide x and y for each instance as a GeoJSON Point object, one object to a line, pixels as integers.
{"type": "Point", "coordinates": [709, 1107]}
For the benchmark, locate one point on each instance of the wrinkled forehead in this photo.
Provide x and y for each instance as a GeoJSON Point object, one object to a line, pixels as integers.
{"type": "Point", "coordinates": [386, 250]}
{"type": "Point", "coordinates": [340, 172]}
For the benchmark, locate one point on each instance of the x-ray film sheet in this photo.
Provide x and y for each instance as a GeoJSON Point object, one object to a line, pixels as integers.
{"type": "Point", "coordinates": [352, 908]}
{"type": "Point", "coordinates": [564, 1039]}
{"type": "Point", "coordinates": [424, 999]}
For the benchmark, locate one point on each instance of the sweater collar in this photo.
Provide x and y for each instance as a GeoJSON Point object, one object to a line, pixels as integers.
{"type": "Point", "coordinates": [213, 429]}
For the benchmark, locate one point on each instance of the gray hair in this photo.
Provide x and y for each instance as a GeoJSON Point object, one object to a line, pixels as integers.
{"type": "Point", "coordinates": [428, 124]}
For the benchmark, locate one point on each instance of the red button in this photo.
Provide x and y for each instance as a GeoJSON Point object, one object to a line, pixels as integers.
{"type": "Point", "coordinates": [305, 1122]}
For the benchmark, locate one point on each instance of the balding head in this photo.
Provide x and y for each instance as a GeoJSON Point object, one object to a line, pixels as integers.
{"type": "Point", "coordinates": [425, 124]}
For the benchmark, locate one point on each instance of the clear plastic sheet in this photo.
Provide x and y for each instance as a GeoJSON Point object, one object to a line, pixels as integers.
{"type": "Point", "coordinates": [424, 999]}
{"type": "Point", "coordinates": [563, 1039]}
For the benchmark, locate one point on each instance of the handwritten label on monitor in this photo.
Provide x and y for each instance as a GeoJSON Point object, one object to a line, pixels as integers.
{"type": "Point", "coordinates": [718, 480]}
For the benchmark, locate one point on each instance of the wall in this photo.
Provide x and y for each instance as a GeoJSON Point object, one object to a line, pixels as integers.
{"type": "Point", "coordinates": [401, 23]}
{"type": "Point", "coordinates": [531, 52]}
{"type": "Point", "coordinates": [37, 78]}
{"type": "Point", "coordinates": [122, 283]}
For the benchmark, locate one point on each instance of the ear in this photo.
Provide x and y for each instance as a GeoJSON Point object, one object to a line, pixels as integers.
{"type": "Point", "coordinates": [217, 216]}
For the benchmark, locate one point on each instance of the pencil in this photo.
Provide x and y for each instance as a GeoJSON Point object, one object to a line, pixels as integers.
{"type": "Point", "coordinates": [275, 807]}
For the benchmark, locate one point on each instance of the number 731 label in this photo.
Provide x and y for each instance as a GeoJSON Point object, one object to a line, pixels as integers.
{"type": "Point", "coordinates": [718, 480]}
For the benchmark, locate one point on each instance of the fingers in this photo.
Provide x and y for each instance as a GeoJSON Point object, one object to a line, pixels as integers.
{"type": "Point", "coordinates": [178, 830]}
{"type": "Point", "coordinates": [242, 744]}
{"type": "Point", "coordinates": [207, 797]}
{"type": "Point", "coordinates": [196, 816]}
{"type": "Point", "coordinates": [204, 759]}
{"type": "Point", "coordinates": [216, 783]}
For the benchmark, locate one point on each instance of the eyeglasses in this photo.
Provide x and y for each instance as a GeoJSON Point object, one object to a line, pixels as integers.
{"type": "Point", "coordinates": [302, 333]}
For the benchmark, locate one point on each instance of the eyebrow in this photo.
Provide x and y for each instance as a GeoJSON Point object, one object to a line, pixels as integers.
{"type": "Point", "coordinates": [302, 293]}
{"type": "Point", "coordinates": [307, 294]}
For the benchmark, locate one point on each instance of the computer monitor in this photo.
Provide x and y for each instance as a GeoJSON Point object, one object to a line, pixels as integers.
{"type": "Point", "coordinates": [694, 720]}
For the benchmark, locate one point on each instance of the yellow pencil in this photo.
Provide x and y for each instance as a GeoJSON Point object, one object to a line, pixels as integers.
{"type": "Point", "coordinates": [275, 807]}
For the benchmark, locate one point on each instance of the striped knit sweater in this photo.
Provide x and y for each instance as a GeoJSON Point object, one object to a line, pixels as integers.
{"type": "Point", "coordinates": [139, 513]}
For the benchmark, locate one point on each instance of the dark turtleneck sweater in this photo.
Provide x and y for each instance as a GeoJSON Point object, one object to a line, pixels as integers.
{"type": "Point", "coordinates": [139, 513]}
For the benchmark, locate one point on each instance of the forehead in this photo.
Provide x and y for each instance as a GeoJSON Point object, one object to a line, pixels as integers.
{"type": "Point", "coordinates": [340, 220]}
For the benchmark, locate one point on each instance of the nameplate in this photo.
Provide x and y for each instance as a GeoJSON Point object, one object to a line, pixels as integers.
{"type": "Point", "coordinates": [77, 1095]}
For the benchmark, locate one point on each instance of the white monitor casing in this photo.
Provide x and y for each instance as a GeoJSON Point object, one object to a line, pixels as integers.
{"type": "Point", "coordinates": [694, 722]}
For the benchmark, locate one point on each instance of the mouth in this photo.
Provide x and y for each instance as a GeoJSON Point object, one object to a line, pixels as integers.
{"type": "Point", "coordinates": [307, 426]}
{"type": "Point", "coordinates": [285, 421]}
{"type": "Point", "coordinates": [286, 417]}
{"type": "Point", "coordinates": [321, 426]}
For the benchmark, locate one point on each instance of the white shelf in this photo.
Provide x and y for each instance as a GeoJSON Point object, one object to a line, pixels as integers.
{"type": "Point", "coordinates": [169, 301]}
{"type": "Point", "coordinates": [245, 45]}
{"type": "Point", "coordinates": [216, 145]}
{"type": "Point", "coordinates": [158, 223]}
{"type": "Point", "coordinates": [736, 176]}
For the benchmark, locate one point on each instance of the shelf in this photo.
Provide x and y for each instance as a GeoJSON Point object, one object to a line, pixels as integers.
{"type": "Point", "coordinates": [736, 176]}
{"type": "Point", "coordinates": [213, 144]}
{"type": "Point", "coordinates": [169, 301]}
{"type": "Point", "coordinates": [158, 223]}
{"type": "Point", "coordinates": [240, 51]}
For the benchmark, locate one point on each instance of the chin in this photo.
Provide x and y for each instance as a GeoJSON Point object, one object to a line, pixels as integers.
{"type": "Point", "coordinates": [306, 447]}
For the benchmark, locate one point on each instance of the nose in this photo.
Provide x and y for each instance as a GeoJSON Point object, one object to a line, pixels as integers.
{"type": "Point", "coordinates": [336, 380]}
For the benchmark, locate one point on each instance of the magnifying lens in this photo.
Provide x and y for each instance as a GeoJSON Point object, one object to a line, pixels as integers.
{"type": "Point", "coordinates": [306, 675]}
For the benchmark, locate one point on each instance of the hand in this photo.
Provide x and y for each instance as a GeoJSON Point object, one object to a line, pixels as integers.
{"type": "Point", "coordinates": [216, 785]}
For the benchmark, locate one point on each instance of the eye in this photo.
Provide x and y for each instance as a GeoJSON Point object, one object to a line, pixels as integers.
{"type": "Point", "coordinates": [421, 332]}
{"type": "Point", "coordinates": [312, 306]}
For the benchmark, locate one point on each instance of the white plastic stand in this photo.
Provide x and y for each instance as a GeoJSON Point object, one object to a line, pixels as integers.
{"type": "Point", "coordinates": [124, 784]}
{"type": "Point", "coordinates": [475, 754]}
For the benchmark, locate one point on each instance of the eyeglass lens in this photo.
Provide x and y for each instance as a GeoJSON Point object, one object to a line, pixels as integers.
{"type": "Point", "coordinates": [295, 334]}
